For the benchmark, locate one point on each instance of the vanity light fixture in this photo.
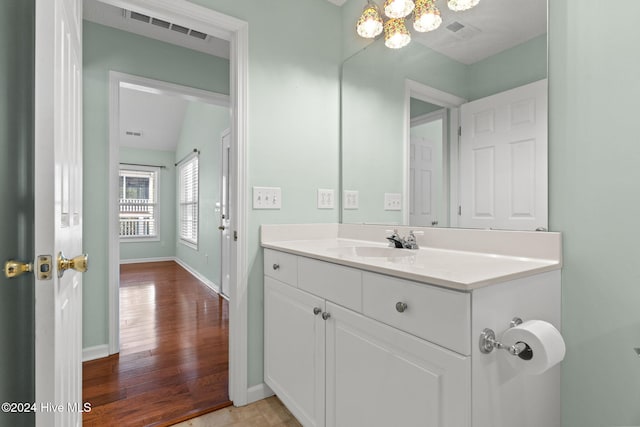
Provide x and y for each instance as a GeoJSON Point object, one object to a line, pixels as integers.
{"type": "Point", "coordinates": [398, 8]}
{"type": "Point", "coordinates": [396, 34]}
{"type": "Point", "coordinates": [370, 22]}
{"type": "Point", "coordinates": [460, 5]}
{"type": "Point", "coordinates": [426, 17]}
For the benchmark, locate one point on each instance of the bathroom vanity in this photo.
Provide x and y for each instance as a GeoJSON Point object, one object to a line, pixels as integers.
{"type": "Point", "coordinates": [360, 334]}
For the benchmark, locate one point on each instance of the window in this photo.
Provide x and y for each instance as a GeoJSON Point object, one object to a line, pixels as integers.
{"type": "Point", "coordinates": [188, 201]}
{"type": "Point", "coordinates": [138, 203]}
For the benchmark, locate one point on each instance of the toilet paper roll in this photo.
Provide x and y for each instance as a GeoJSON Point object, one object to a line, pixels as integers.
{"type": "Point", "coordinates": [546, 344]}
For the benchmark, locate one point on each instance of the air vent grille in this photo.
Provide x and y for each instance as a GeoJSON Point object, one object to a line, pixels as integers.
{"type": "Point", "coordinates": [140, 17]}
{"type": "Point", "coordinates": [160, 23]}
{"type": "Point", "coordinates": [165, 24]}
{"type": "Point", "coordinates": [180, 29]}
{"type": "Point", "coordinates": [455, 26]}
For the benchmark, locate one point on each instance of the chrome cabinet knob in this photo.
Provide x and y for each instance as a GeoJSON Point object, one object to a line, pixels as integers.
{"type": "Point", "coordinates": [276, 266]}
{"type": "Point", "coordinates": [326, 315]}
{"type": "Point", "coordinates": [317, 310]}
{"type": "Point", "coordinates": [401, 307]}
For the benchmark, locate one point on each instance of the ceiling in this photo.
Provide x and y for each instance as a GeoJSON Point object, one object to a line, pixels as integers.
{"type": "Point", "coordinates": [158, 118]}
{"type": "Point", "coordinates": [489, 28]}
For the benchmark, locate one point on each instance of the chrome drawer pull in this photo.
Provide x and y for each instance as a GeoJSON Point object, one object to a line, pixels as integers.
{"type": "Point", "coordinates": [401, 307]}
{"type": "Point", "coordinates": [276, 266]}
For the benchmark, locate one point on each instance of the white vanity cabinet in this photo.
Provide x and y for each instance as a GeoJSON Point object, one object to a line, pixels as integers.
{"type": "Point", "coordinates": [337, 355]}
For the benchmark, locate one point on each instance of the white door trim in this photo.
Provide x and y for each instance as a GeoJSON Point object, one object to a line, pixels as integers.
{"type": "Point", "coordinates": [413, 89]}
{"type": "Point", "coordinates": [236, 32]}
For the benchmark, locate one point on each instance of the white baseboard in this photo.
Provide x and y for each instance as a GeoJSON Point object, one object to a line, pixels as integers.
{"type": "Point", "coordinates": [198, 276]}
{"type": "Point", "coordinates": [95, 352]}
{"type": "Point", "coordinates": [141, 260]}
{"type": "Point", "coordinates": [258, 392]}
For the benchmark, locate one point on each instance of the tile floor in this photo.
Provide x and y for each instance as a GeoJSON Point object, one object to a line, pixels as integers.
{"type": "Point", "coordinates": [269, 412]}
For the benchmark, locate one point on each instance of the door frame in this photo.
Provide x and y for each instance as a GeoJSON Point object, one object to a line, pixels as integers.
{"type": "Point", "coordinates": [236, 32]}
{"type": "Point", "coordinates": [414, 89]}
{"type": "Point", "coordinates": [117, 78]}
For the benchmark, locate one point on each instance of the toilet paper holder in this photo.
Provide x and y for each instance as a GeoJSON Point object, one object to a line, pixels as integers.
{"type": "Point", "coordinates": [488, 342]}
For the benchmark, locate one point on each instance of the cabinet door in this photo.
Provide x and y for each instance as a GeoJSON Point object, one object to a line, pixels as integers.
{"type": "Point", "coordinates": [380, 376]}
{"type": "Point", "coordinates": [294, 350]}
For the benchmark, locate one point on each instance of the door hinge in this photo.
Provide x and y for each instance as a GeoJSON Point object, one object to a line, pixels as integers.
{"type": "Point", "coordinates": [235, 236]}
{"type": "Point", "coordinates": [459, 130]}
{"type": "Point", "coordinates": [459, 210]}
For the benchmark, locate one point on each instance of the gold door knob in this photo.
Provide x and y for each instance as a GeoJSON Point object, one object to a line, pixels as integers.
{"type": "Point", "coordinates": [14, 268]}
{"type": "Point", "coordinates": [79, 263]}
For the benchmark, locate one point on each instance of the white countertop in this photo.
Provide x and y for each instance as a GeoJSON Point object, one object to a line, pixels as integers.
{"type": "Point", "coordinates": [455, 269]}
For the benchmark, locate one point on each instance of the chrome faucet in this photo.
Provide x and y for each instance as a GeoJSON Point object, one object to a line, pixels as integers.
{"type": "Point", "coordinates": [395, 241]}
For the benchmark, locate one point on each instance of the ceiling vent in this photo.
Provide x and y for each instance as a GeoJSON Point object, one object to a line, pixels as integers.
{"type": "Point", "coordinates": [164, 24]}
{"type": "Point", "coordinates": [462, 31]}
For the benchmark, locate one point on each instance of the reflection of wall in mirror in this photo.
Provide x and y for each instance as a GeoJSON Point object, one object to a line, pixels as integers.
{"type": "Point", "coordinates": [373, 90]}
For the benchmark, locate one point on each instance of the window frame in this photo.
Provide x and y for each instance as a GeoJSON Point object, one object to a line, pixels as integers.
{"type": "Point", "coordinates": [156, 204]}
{"type": "Point", "coordinates": [190, 242]}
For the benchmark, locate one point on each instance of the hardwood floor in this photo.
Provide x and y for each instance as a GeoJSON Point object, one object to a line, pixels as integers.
{"type": "Point", "coordinates": [173, 360]}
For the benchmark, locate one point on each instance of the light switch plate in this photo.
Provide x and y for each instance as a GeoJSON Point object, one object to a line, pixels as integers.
{"type": "Point", "coordinates": [392, 201]}
{"type": "Point", "coordinates": [267, 198]}
{"type": "Point", "coordinates": [325, 198]}
{"type": "Point", "coordinates": [351, 199]}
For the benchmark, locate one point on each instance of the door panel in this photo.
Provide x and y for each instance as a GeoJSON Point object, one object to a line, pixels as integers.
{"type": "Point", "coordinates": [294, 350]}
{"type": "Point", "coordinates": [414, 382]}
{"type": "Point", "coordinates": [503, 160]}
{"type": "Point", "coordinates": [58, 208]}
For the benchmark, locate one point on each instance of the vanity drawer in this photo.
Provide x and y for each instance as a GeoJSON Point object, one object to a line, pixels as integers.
{"type": "Point", "coordinates": [281, 266]}
{"type": "Point", "coordinates": [336, 283]}
{"type": "Point", "coordinates": [438, 315]}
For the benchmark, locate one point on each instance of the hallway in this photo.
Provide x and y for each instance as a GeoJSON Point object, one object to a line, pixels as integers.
{"type": "Point", "coordinates": [173, 360]}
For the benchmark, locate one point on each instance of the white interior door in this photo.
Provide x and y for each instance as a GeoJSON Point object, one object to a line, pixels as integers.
{"type": "Point", "coordinates": [422, 180]}
{"type": "Point", "coordinates": [225, 217]}
{"type": "Point", "coordinates": [503, 160]}
{"type": "Point", "coordinates": [58, 211]}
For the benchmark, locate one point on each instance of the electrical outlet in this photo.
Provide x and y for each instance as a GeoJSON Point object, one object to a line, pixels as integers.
{"type": "Point", "coordinates": [267, 198]}
{"type": "Point", "coordinates": [392, 201]}
{"type": "Point", "coordinates": [325, 199]}
{"type": "Point", "coordinates": [350, 199]}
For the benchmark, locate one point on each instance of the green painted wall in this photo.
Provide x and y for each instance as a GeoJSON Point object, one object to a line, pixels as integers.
{"type": "Point", "coordinates": [420, 108]}
{"type": "Point", "coordinates": [108, 49]}
{"type": "Point", "coordinates": [373, 125]}
{"type": "Point", "coordinates": [203, 125]}
{"type": "Point", "coordinates": [16, 209]}
{"type": "Point", "coordinates": [293, 123]}
{"type": "Point", "coordinates": [525, 63]}
{"type": "Point", "coordinates": [167, 206]}
{"type": "Point", "coordinates": [594, 200]}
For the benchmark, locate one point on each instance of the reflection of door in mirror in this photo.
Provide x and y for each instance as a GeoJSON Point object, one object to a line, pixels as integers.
{"type": "Point", "coordinates": [425, 163]}
{"type": "Point", "coordinates": [503, 160]}
{"type": "Point", "coordinates": [225, 219]}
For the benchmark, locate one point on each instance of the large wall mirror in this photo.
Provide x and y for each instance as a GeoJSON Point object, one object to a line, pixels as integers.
{"type": "Point", "coordinates": [404, 161]}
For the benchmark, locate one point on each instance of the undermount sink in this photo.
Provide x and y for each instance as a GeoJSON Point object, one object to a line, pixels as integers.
{"type": "Point", "coordinates": [372, 252]}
